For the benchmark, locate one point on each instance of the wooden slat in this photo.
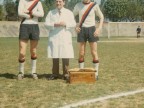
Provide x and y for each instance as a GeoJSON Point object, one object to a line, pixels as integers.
{"type": "Point", "coordinates": [85, 75]}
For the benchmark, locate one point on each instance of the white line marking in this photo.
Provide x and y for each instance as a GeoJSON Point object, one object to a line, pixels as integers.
{"type": "Point", "coordinates": [121, 41]}
{"type": "Point", "coordinates": [85, 102]}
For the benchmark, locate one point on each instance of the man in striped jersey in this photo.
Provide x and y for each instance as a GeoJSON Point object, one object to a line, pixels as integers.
{"type": "Point", "coordinates": [87, 30]}
{"type": "Point", "coordinates": [30, 11]}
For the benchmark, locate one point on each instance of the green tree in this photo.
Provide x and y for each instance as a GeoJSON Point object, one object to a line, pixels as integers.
{"type": "Point", "coordinates": [16, 6]}
{"type": "Point", "coordinates": [10, 8]}
{"type": "Point", "coordinates": [1, 12]}
{"type": "Point", "coordinates": [115, 10]}
{"type": "Point", "coordinates": [140, 10]}
{"type": "Point", "coordinates": [119, 10]}
{"type": "Point", "coordinates": [132, 10]}
{"type": "Point", "coordinates": [47, 6]}
{"type": "Point", "coordinates": [72, 3]}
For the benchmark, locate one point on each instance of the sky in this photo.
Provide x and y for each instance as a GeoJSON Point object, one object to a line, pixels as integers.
{"type": "Point", "coordinates": [1, 1]}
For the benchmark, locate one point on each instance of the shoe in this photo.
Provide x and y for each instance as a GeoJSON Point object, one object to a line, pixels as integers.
{"type": "Point", "coordinates": [96, 77]}
{"type": "Point", "coordinates": [53, 77]}
{"type": "Point", "coordinates": [35, 76]}
{"type": "Point", "coordinates": [66, 77]}
{"type": "Point", "coordinates": [20, 76]}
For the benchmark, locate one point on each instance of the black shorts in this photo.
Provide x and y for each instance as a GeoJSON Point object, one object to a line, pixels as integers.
{"type": "Point", "coordinates": [29, 31]}
{"type": "Point", "coordinates": [138, 32]}
{"type": "Point", "coordinates": [87, 34]}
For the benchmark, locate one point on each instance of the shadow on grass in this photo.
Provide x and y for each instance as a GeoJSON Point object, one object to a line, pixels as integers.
{"type": "Point", "coordinates": [47, 76]}
{"type": "Point", "coordinates": [8, 75]}
{"type": "Point", "coordinates": [14, 76]}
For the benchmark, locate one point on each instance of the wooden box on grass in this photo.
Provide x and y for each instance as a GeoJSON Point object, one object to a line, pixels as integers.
{"type": "Point", "coordinates": [86, 75]}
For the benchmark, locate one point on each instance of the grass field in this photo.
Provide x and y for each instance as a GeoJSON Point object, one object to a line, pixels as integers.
{"type": "Point", "coordinates": [121, 70]}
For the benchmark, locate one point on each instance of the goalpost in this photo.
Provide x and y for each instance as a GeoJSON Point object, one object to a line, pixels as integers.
{"type": "Point", "coordinates": [121, 29]}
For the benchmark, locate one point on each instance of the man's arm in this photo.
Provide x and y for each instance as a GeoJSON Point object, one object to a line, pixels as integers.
{"type": "Point", "coordinates": [39, 12]}
{"type": "Point", "coordinates": [71, 22]}
{"type": "Point", "coordinates": [76, 10]}
{"type": "Point", "coordinates": [22, 12]}
{"type": "Point", "coordinates": [101, 17]}
{"type": "Point", "coordinates": [48, 23]}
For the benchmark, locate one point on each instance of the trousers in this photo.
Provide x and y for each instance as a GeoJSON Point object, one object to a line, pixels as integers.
{"type": "Point", "coordinates": [65, 65]}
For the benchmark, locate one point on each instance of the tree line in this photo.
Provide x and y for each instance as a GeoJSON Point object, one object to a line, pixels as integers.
{"type": "Point", "coordinates": [124, 10]}
{"type": "Point", "coordinates": [113, 10]}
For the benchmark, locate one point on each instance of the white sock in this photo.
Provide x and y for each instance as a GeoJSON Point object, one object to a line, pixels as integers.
{"type": "Point", "coordinates": [21, 67]}
{"type": "Point", "coordinates": [81, 65]}
{"type": "Point", "coordinates": [33, 63]}
{"type": "Point", "coordinates": [96, 67]}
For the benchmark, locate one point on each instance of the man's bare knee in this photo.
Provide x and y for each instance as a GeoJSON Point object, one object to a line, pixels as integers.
{"type": "Point", "coordinates": [21, 57]}
{"type": "Point", "coordinates": [82, 53]}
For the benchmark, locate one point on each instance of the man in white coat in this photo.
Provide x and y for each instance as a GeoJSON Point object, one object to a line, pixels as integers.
{"type": "Point", "coordinates": [60, 22]}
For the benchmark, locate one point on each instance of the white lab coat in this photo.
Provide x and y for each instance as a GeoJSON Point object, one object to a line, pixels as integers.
{"type": "Point", "coordinates": [60, 38]}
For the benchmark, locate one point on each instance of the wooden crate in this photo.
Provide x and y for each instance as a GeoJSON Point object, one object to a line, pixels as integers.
{"type": "Point", "coordinates": [86, 75]}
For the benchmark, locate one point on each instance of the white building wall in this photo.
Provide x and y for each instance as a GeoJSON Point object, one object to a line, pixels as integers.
{"type": "Point", "coordinates": [11, 29]}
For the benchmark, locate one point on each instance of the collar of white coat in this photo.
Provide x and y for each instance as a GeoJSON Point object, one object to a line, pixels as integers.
{"type": "Point", "coordinates": [62, 9]}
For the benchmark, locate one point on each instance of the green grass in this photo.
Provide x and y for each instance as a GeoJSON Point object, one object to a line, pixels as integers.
{"type": "Point", "coordinates": [133, 101]}
{"type": "Point", "coordinates": [121, 70]}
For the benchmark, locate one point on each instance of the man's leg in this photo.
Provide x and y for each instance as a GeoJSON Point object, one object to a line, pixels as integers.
{"type": "Point", "coordinates": [33, 46]}
{"type": "Point", "coordinates": [22, 53]}
{"type": "Point", "coordinates": [82, 46]}
{"type": "Point", "coordinates": [65, 64]}
{"type": "Point", "coordinates": [139, 35]}
{"type": "Point", "coordinates": [55, 69]}
{"type": "Point", "coordinates": [93, 46]}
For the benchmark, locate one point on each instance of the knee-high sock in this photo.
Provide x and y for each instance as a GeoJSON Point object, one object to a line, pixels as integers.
{"type": "Point", "coordinates": [33, 65]}
{"type": "Point", "coordinates": [96, 67]}
{"type": "Point", "coordinates": [81, 65]}
{"type": "Point", "coordinates": [21, 66]}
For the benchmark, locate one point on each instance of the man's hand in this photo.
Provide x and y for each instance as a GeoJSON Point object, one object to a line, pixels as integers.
{"type": "Point", "coordinates": [29, 13]}
{"type": "Point", "coordinates": [60, 24]}
{"type": "Point", "coordinates": [78, 29]}
{"type": "Point", "coordinates": [31, 16]}
{"type": "Point", "coordinates": [96, 33]}
{"type": "Point", "coordinates": [26, 11]}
